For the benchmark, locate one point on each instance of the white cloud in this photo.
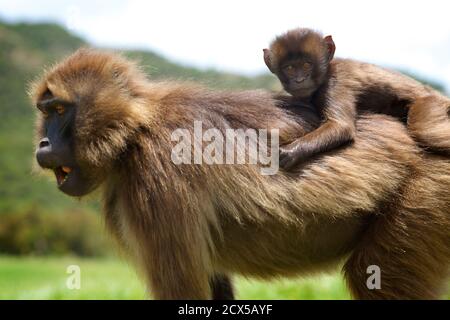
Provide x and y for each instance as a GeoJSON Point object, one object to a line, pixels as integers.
{"type": "Point", "coordinates": [229, 35]}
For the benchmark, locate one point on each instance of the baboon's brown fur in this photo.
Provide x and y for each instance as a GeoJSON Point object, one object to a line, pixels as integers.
{"type": "Point", "coordinates": [378, 202]}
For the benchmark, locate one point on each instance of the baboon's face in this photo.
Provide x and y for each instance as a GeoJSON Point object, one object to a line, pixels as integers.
{"type": "Point", "coordinates": [89, 107]}
{"type": "Point", "coordinates": [55, 150]}
{"type": "Point", "coordinates": [296, 75]}
{"type": "Point", "coordinates": [302, 73]}
{"type": "Point", "coordinates": [300, 59]}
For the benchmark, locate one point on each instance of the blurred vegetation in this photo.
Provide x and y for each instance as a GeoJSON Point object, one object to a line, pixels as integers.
{"type": "Point", "coordinates": [41, 233]}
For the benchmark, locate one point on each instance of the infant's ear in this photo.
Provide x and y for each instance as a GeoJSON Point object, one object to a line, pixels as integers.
{"type": "Point", "coordinates": [268, 59]}
{"type": "Point", "coordinates": [331, 47]}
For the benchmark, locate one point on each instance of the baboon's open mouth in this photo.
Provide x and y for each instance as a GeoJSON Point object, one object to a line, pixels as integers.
{"type": "Point", "coordinates": [62, 174]}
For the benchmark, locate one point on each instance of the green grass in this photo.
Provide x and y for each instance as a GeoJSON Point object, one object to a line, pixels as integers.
{"type": "Point", "coordinates": [109, 278]}
{"type": "Point", "coordinates": [45, 278]}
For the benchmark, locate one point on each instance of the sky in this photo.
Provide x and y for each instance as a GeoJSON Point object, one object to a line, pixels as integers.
{"type": "Point", "coordinates": [230, 35]}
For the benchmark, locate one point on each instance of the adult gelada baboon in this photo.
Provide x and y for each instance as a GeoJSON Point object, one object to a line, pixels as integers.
{"type": "Point", "coordinates": [189, 227]}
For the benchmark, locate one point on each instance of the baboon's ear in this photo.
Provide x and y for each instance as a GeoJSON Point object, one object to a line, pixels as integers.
{"type": "Point", "coordinates": [331, 47]}
{"type": "Point", "coordinates": [115, 73]}
{"type": "Point", "coordinates": [268, 59]}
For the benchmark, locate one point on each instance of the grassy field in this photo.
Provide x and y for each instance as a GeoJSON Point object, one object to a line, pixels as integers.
{"type": "Point", "coordinates": [45, 278]}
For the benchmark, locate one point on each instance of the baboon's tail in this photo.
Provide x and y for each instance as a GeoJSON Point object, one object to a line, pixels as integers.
{"type": "Point", "coordinates": [429, 122]}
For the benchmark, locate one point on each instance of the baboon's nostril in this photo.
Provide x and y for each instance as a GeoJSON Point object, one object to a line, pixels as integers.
{"type": "Point", "coordinates": [44, 143]}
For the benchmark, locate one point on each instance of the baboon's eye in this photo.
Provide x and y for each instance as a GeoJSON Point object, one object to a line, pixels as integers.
{"type": "Point", "coordinates": [59, 109]}
{"type": "Point", "coordinates": [307, 65]}
{"type": "Point", "coordinates": [289, 67]}
{"type": "Point", "coordinates": [289, 70]}
{"type": "Point", "coordinates": [45, 114]}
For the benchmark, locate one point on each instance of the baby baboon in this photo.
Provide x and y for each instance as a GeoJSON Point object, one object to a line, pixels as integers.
{"type": "Point", "coordinates": [304, 62]}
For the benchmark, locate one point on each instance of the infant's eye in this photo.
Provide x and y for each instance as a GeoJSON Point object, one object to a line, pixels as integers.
{"type": "Point", "coordinates": [289, 70]}
{"type": "Point", "coordinates": [60, 110]}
